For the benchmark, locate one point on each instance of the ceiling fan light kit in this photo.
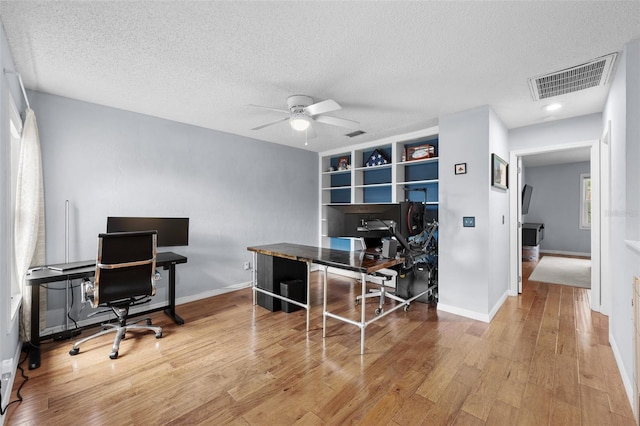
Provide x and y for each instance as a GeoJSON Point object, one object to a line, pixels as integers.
{"type": "Point", "coordinates": [299, 121]}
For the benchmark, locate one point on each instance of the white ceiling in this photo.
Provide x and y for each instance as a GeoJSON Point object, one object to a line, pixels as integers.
{"type": "Point", "coordinates": [395, 67]}
{"type": "Point", "coordinates": [574, 155]}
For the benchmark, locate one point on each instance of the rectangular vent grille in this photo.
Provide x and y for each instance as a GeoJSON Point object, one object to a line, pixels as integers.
{"type": "Point", "coordinates": [592, 74]}
{"type": "Point", "coordinates": [356, 133]}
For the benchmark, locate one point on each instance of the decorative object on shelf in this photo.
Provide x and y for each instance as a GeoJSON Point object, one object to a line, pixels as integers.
{"type": "Point", "coordinates": [332, 169]}
{"type": "Point", "coordinates": [343, 163]}
{"type": "Point", "coordinates": [420, 152]}
{"type": "Point", "coordinates": [499, 172]}
{"type": "Point", "coordinates": [377, 158]}
{"type": "Point", "coordinates": [461, 168]}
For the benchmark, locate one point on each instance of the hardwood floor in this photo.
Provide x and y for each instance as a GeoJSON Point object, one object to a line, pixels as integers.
{"type": "Point", "coordinates": [544, 359]}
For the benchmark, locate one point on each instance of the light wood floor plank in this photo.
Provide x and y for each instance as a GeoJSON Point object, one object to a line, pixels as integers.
{"type": "Point", "coordinates": [544, 359]}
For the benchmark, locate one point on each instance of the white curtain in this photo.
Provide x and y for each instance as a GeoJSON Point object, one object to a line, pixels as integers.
{"type": "Point", "coordinates": [29, 217]}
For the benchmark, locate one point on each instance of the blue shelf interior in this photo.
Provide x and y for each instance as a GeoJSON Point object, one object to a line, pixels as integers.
{"type": "Point", "coordinates": [377, 194]}
{"type": "Point", "coordinates": [341, 182]}
{"type": "Point", "coordinates": [423, 171]}
{"type": "Point", "coordinates": [341, 195]}
{"type": "Point", "coordinates": [377, 176]}
{"type": "Point", "coordinates": [341, 179]}
{"type": "Point", "coordinates": [418, 195]}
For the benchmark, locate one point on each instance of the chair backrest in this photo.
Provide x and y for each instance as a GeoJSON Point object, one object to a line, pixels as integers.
{"type": "Point", "coordinates": [125, 266]}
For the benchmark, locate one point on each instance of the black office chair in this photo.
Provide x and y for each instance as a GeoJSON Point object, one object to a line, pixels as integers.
{"type": "Point", "coordinates": [125, 277]}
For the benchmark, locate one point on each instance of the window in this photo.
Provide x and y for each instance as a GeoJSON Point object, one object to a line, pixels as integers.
{"type": "Point", "coordinates": [585, 201]}
{"type": "Point", "coordinates": [15, 132]}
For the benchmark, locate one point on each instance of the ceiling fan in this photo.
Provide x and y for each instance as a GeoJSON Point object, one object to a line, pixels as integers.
{"type": "Point", "coordinates": [303, 112]}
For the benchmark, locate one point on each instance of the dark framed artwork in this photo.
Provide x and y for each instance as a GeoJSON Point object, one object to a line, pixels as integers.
{"type": "Point", "coordinates": [461, 168]}
{"type": "Point", "coordinates": [499, 172]}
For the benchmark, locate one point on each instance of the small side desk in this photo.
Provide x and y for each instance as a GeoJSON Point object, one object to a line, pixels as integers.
{"type": "Point", "coordinates": [356, 261]}
{"type": "Point", "coordinates": [166, 260]}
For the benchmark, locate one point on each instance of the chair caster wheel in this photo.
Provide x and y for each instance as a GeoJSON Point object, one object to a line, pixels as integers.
{"type": "Point", "coordinates": [74, 351]}
{"type": "Point", "coordinates": [158, 335]}
{"type": "Point", "coordinates": [113, 355]}
{"type": "Point", "coordinates": [406, 308]}
{"type": "Point", "coordinates": [378, 311]}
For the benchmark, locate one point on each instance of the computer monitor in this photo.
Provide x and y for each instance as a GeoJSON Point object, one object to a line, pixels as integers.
{"type": "Point", "coordinates": [527, 190]}
{"type": "Point", "coordinates": [172, 231]}
{"type": "Point", "coordinates": [346, 220]}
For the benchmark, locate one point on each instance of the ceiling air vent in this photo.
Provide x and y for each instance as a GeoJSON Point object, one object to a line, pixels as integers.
{"type": "Point", "coordinates": [356, 133]}
{"type": "Point", "coordinates": [592, 74]}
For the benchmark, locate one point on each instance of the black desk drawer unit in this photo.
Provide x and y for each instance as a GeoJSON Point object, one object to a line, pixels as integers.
{"type": "Point", "coordinates": [271, 272]}
{"type": "Point", "coordinates": [294, 290]}
{"type": "Point", "coordinates": [532, 234]}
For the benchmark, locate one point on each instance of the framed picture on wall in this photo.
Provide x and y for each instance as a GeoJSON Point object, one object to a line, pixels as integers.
{"type": "Point", "coordinates": [499, 172]}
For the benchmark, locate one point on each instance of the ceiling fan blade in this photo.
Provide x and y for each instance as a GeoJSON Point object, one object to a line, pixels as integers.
{"type": "Point", "coordinates": [271, 109]}
{"type": "Point", "coordinates": [322, 107]}
{"type": "Point", "coordinates": [340, 122]}
{"type": "Point", "coordinates": [270, 124]}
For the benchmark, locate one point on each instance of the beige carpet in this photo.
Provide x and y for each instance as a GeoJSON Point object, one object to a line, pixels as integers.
{"type": "Point", "coordinates": [563, 270]}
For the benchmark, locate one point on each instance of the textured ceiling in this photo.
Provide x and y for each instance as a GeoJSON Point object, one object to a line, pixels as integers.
{"type": "Point", "coordinates": [394, 67]}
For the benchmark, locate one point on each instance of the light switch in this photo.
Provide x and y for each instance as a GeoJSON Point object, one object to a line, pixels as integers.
{"type": "Point", "coordinates": [469, 221]}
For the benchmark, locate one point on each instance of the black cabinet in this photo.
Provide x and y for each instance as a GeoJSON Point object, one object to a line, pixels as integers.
{"type": "Point", "coordinates": [271, 272]}
{"type": "Point", "coordinates": [532, 234]}
{"type": "Point", "coordinates": [294, 290]}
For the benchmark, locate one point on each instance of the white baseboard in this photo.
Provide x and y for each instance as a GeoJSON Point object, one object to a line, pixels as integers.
{"type": "Point", "coordinates": [6, 390]}
{"type": "Point", "coordinates": [498, 305]}
{"type": "Point", "coordinates": [628, 383]}
{"type": "Point", "coordinates": [473, 314]}
{"type": "Point", "coordinates": [94, 320]}
{"type": "Point", "coordinates": [567, 253]}
{"type": "Point", "coordinates": [211, 293]}
{"type": "Point", "coordinates": [464, 312]}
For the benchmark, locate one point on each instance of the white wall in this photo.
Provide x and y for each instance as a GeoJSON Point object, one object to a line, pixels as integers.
{"type": "Point", "coordinates": [472, 262]}
{"type": "Point", "coordinates": [553, 133]}
{"type": "Point", "coordinates": [9, 337]}
{"type": "Point", "coordinates": [236, 191]}
{"type": "Point", "coordinates": [498, 220]}
{"type": "Point", "coordinates": [622, 111]}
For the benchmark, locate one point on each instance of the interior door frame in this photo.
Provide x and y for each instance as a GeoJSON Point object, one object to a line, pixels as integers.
{"type": "Point", "coordinates": [519, 221]}
{"type": "Point", "coordinates": [515, 243]}
{"type": "Point", "coordinates": [605, 219]}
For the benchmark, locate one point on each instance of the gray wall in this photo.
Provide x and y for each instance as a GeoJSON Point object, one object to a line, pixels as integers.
{"type": "Point", "coordinates": [236, 191]}
{"type": "Point", "coordinates": [555, 201]}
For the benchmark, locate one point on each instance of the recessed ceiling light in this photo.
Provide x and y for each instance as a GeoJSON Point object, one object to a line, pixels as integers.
{"type": "Point", "coordinates": [552, 107]}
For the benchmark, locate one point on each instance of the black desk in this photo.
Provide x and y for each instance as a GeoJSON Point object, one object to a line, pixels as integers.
{"type": "Point", "coordinates": [358, 261]}
{"type": "Point", "coordinates": [166, 260]}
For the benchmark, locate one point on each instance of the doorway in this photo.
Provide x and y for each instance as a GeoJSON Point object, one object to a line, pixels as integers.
{"type": "Point", "coordinates": [590, 150]}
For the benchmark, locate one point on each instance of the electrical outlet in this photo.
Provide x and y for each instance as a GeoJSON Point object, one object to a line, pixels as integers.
{"type": "Point", "coordinates": [7, 366]}
{"type": "Point", "coordinates": [247, 265]}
